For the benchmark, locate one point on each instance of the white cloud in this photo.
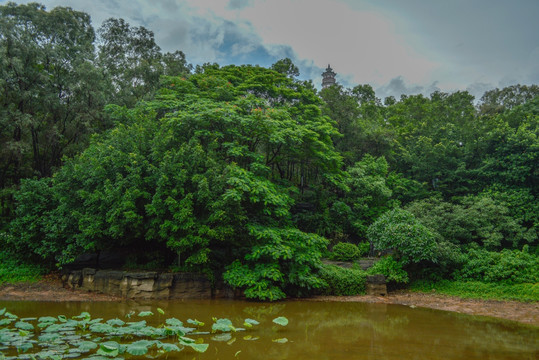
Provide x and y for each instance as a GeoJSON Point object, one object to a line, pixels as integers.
{"type": "Point", "coordinates": [391, 44]}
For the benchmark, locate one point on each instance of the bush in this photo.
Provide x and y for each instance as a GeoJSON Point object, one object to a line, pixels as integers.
{"type": "Point", "coordinates": [507, 266]}
{"type": "Point", "coordinates": [342, 281]}
{"type": "Point", "coordinates": [391, 269]}
{"type": "Point", "coordinates": [364, 248]}
{"type": "Point", "coordinates": [345, 252]}
{"type": "Point", "coordinates": [400, 231]}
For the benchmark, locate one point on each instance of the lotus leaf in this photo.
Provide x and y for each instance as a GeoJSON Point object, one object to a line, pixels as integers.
{"type": "Point", "coordinates": [174, 322]}
{"type": "Point", "coordinates": [145, 313]}
{"type": "Point", "coordinates": [195, 322]}
{"type": "Point", "coordinates": [139, 347]}
{"type": "Point", "coordinates": [85, 346]}
{"type": "Point", "coordinates": [222, 337]}
{"type": "Point", "coordinates": [281, 320]}
{"type": "Point", "coordinates": [161, 311]}
{"type": "Point", "coordinates": [199, 347]}
{"type": "Point", "coordinates": [115, 322]}
{"type": "Point", "coordinates": [24, 346]}
{"type": "Point", "coordinates": [167, 347]}
{"type": "Point", "coordinates": [10, 315]}
{"type": "Point", "coordinates": [24, 325]}
{"type": "Point", "coordinates": [280, 341]}
{"type": "Point", "coordinates": [223, 325]}
{"type": "Point", "coordinates": [83, 316]}
{"type": "Point", "coordinates": [250, 322]}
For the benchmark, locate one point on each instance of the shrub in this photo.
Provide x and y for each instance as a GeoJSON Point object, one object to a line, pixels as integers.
{"type": "Point", "coordinates": [391, 269]}
{"type": "Point", "coordinates": [507, 266]}
{"type": "Point", "coordinates": [400, 231]}
{"type": "Point", "coordinates": [345, 252]}
{"type": "Point", "coordinates": [342, 281]}
{"type": "Point", "coordinates": [364, 248]}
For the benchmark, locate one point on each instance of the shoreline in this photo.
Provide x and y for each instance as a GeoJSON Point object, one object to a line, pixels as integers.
{"type": "Point", "coordinates": [50, 289]}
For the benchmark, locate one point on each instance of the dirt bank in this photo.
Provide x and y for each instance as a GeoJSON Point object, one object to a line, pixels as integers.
{"type": "Point", "coordinates": [527, 313]}
{"type": "Point", "coordinates": [50, 289]}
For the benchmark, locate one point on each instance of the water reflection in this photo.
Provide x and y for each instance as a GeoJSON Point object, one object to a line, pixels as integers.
{"type": "Point", "coordinates": [319, 330]}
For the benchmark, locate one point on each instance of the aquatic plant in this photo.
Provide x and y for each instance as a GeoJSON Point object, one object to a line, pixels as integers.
{"type": "Point", "coordinates": [59, 337]}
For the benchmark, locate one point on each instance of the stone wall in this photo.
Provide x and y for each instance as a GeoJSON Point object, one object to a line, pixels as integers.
{"type": "Point", "coordinates": [144, 285]}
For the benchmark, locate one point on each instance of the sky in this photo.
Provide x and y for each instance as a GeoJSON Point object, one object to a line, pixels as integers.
{"type": "Point", "coordinates": [396, 46]}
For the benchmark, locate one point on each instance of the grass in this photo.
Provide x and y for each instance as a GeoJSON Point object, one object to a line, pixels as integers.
{"type": "Point", "coordinates": [480, 290]}
{"type": "Point", "coordinates": [12, 271]}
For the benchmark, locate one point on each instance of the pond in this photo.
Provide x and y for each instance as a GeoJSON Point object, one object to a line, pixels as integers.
{"type": "Point", "coordinates": [316, 330]}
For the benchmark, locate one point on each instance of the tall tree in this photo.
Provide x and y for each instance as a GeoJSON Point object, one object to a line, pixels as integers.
{"type": "Point", "coordinates": [131, 59]}
{"type": "Point", "coordinates": [50, 93]}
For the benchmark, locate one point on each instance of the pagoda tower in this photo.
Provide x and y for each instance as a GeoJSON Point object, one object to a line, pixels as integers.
{"type": "Point", "coordinates": [328, 77]}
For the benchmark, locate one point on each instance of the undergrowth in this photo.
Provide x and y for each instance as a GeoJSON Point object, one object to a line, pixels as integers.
{"type": "Point", "coordinates": [480, 290]}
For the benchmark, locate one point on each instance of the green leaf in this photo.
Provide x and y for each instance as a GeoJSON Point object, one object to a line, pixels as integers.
{"type": "Point", "coordinates": [24, 326]}
{"type": "Point", "coordinates": [167, 347]}
{"type": "Point", "coordinates": [115, 322]}
{"type": "Point", "coordinates": [85, 346]}
{"type": "Point", "coordinates": [280, 341]}
{"type": "Point", "coordinates": [222, 337]}
{"type": "Point", "coordinates": [223, 325]}
{"type": "Point", "coordinates": [6, 321]}
{"type": "Point", "coordinates": [109, 348]}
{"type": "Point", "coordinates": [199, 347]}
{"type": "Point", "coordinates": [250, 322]}
{"type": "Point", "coordinates": [139, 347]}
{"type": "Point", "coordinates": [83, 316]}
{"type": "Point", "coordinates": [281, 320]}
{"type": "Point", "coordinates": [161, 311]}
{"type": "Point", "coordinates": [173, 322]}
{"type": "Point", "coordinates": [2, 311]}
{"type": "Point", "coordinates": [25, 346]}
{"type": "Point", "coordinates": [145, 313]}
{"type": "Point", "coordinates": [195, 322]}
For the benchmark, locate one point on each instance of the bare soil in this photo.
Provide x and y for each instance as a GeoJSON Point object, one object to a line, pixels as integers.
{"type": "Point", "coordinates": [523, 312]}
{"type": "Point", "coordinates": [51, 289]}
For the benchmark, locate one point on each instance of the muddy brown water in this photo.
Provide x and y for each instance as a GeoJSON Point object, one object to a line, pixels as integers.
{"type": "Point", "coordinates": [321, 330]}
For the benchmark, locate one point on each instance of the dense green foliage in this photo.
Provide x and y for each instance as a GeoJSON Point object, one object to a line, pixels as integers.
{"type": "Point", "coordinates": [345, 252]}
{"type": "Point", "coordinates": [400, 231]}
{"type": "Point", "coordinates": [247, 173]}
{"type": "Point", "coordinates": [391, 269]}
{"type": "Point", "coordinates": [342, 281]}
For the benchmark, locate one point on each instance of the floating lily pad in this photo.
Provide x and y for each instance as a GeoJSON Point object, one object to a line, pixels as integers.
{"type": "Point", "coordinates": [250, 322]}
{"type": "Point", "coordinates": [223, 325]}
{"type": "Point", "coordinates": [24, 326]}
{"type": "Point", "coordinates": [174, 322]}
{"type": "Point", "coordinates": [145, 313]}
{"type": "Point", "coordinates": [139, 347]}
{"type": "Point", "coordinates": [281, 320]}
{"type": "Point", "coordinates": [280, 341]}
{"type": "Point", "coordinates": [115, 322]}
{"type": "Point", "coordinates": [195, 322]}
{"type": "Point", "coordinates": [222, 337]}
{"type": "Point", "coordinates": [167, 347]}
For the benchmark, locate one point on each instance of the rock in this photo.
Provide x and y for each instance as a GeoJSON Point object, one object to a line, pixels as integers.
{"type": "Point", "coordinates": [376, 285]}
{"type": "Point", "coordinates": [142, 285]}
